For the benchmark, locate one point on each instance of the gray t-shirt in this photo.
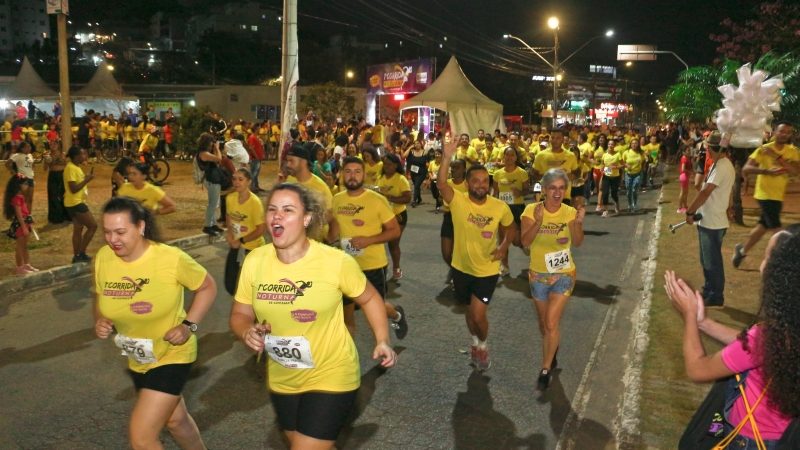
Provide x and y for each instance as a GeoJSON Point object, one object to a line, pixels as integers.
{"type": "Point", "coordinates": [714, 210]}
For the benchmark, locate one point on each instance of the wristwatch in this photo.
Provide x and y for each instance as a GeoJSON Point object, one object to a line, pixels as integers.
{"type": "Point", "coordinates": [192, 326]}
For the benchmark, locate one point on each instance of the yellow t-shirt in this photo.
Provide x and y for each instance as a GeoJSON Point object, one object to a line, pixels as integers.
{"type": "Point", "coordinates": [772, 187]}
{"type": "Point", "coordinates": [245, 217]}
{"type": "Point", "coordinates": [608, 161]}
{"type": "Point", "coordinates": [433, 169]}
{"type": "Point", "coordinates": [470, 153]}
{"type": "Point", "coordinates": [598, 158]}
{"type": "Point", "coordinates": [111, 131]}
{"type": "Point", "coordinates": [103, 129]}
{"type": "Point", "coordinates": [363, 215]}
{"type": "Point", "coordinates": [149, 195]}
{"type": "Point", "coordinates": [634, 161]}
{"type": "Point", "coordinates": [460, 187]}
{"type": "Point", "coordinates": [394, 187]}
{"type": "Point", "coordinates": [148, 144]}
{"type": "Point", "coordinates": [506, 181]}
{"type": "Point", "coordinates": [276, 133]}
{"type": "Point", "coordinates": [304, 300]}
{"type": "Point", "coordinates": [140, 132]}
{"type": "Point", "coordinates": [477, 144]}
{"type": "Point", "coordinates": [548, 159]}
{"type": "Point", "coordinates": [74, 173]}
{"type": "Point", "coordinates": [144, 298]}
{"type": "Point", "coordinates": [372, 173]}
{"type": "Point", "coordinates": [129, 133]}
{"type": "Point", "coordinates": [377, 134]}
{"type": "Point", "coordinates": [6, 135]}
{"type": "Point", "coordinates": [652, 151]}
{"type": "Point", "coordinates": [550, 250]}
{"type": "Point", "coordinates": [475, 231]}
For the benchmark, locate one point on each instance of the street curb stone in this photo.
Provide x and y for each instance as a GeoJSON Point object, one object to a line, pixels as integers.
{"type": "Point", "coordinates": [59, 274]}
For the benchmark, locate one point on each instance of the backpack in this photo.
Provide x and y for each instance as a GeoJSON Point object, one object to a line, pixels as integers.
{"type": "Point", "coordinates": [198, 174]}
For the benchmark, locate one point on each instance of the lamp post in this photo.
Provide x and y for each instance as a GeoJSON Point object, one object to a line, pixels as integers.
{"type": "Point", "coordinates": [556, 65]}
{"type": "Point", "coordinates": [348, 76]}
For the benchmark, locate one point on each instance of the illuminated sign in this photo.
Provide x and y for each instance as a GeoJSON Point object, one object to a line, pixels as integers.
{"type": "Point", "coordinates": [403, 77]}
{"type": "Point", "coordinates": [541, 78]}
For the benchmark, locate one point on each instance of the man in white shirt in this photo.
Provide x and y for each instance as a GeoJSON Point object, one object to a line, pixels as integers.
{"type": "Point", "coordinates": [713, 202]}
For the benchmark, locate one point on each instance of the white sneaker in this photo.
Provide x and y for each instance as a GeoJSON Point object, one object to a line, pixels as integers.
{"type": "Point", "coordinates": [503, 270]}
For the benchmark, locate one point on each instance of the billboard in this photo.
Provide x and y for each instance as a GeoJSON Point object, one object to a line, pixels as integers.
{"type": "Point", "coordinates": [405, 77]}
{"type": "Point", "coordinates": [636, 52]}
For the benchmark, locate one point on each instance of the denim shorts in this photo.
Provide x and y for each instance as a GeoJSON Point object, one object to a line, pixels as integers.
{"type": "Point", "coordinates": [542, 284]}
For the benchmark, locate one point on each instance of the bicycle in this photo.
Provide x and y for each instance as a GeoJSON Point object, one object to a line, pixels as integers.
{"type": "Point", "coordinates": [159, 168]}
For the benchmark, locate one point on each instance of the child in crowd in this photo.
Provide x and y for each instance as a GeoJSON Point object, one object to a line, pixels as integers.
{"type": "Point", "coordinates": [685, 176]}
{"type": "Point", "coordinates": [16, 210]}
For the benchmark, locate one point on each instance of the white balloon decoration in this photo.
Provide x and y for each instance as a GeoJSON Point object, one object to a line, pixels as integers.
{"type": "Point", "coordinates": [747, 111]}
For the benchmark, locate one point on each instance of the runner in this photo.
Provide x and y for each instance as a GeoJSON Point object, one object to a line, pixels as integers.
{"type": "Point", "coordinates": [298, 166]}
{"type": "Point", "coordinates": [75, 196]}
{"type": "Point", "coordinates": [612, 163]}
{"type": "Point", "coordinates": [465, 151]}
{"type": "Point", "coordinates": [597, 170]}
{"type": "Point", "coordinates": [773, 163]}
{"type": "Point", "coordinates": [395, 187]}
{"type": "Point", "coordinates": [244, 218]}
{"type": "Point", "coordinates": [363, 222]}
{"type": "Point", "coordinates": [556, 157]}
{"type": "Point", "coordinates": [635, 161]}
{"type": "Point", "coordinates": [457, 183]}
{"type": "Point", "coordinates": [433, 171]}
{"type": "Point", "coordinates": [510, 186]}
{"type": "Point", "coordinates": [138, 188]}
{"type": "Point", "coordinates": [292, 290]}
{"type": "Point", "coordinates": [139, 283]}
{"type": "Point", "coordinates": [550, 228]}
{"type": "Point", "coordinates": [477, 219]}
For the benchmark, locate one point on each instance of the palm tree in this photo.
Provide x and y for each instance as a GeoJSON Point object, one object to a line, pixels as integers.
{"type": "Point", "coordinates": [695, 97]}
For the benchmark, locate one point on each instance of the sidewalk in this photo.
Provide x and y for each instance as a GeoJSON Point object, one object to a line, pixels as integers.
{"type": "Point", "coordinates": [668, 398]}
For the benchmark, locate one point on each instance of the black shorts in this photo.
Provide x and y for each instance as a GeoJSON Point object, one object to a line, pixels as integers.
{"type": "Point", "coordinates": [378, 279]}
{"type": "Point", "coordinates": [578, 191]}
{"type": "Point", "coordinates": [168, 378]}
{"type": "Point", "coordinates": [80, 208]}
{"type": "Point", "coordinates": [320, 415]}
{"type": "Point", "coordinates": [467, 285]}
{"type": "Point", "coordinates": [402, 218]}
{"type": "Point", "coordinates": [770, 213]}
{"type": "Point", "coordinates": [447, 226]}
{"type": "Point", "coordinates": [516, 211]}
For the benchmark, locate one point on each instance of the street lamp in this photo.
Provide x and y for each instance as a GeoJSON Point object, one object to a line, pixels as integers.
{"type": "Point", "coordinates": [348, 76]}
{"type": "Point", "coordinates": [553, 24]}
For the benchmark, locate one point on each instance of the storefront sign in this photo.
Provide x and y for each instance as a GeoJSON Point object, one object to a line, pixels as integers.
{"type": "Point", "coordinates": [406, 77]}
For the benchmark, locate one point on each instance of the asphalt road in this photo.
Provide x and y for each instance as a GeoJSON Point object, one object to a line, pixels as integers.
{"type": "Point", "coordinates": [60, 387]}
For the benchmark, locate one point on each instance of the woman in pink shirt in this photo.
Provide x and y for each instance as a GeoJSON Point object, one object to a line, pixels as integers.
{"type": "Point", "coordinates": [769, 351]}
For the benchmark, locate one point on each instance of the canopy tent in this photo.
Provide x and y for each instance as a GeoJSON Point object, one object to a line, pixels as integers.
{"type": "Point", "coordinates": [103, 93]}
{"type": "Point", "coordinates": [469, 110]}
{"type": "Point", "coordinates": [29, 85]}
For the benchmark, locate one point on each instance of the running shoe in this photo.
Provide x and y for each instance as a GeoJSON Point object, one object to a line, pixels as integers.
{"type": "Point", "coordinates": [738, 255]}
{"type": "Point", "coordinates": [397, 274]}
{"type": "Point", "coordinates": [211, 231]}
{"type": "Point", "coordinates": [400, 326]}
{"type": "Point", "coordinates": [483, 362]}
{"type": "Point", "coordinates": [504, 270]}
{"type": "Point", "coordinates": [544, 379]}
{"type": "Point", "coordinates": [605, 214]}
{"type": "Point", "coordinates": [217, 229]}
{"type": "Point", "coordinates": [81, 257]}
{"type": "Point", "coordinates": [31, 268]}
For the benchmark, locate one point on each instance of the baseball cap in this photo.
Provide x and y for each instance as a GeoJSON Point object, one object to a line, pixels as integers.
{"type": "Point", "coordinates": [714, 139]}
{"type": "Point", "coordinates": [300, 151]}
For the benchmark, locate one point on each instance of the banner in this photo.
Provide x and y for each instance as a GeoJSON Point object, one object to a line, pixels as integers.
{"type": "Point", "coordinates": [405, 77]}
{"type": "Point", "coordinates": [58, 7]}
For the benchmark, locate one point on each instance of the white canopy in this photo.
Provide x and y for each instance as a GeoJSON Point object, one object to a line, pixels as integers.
{"type": "Point", "coordinates": [469, 110]}
{"type": "Point", "coordinates": [102, 86]}
{"type": "Point", "coordinates": [29, 85]}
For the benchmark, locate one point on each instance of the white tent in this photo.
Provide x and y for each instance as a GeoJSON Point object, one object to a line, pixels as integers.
{"type": "Point", "coordinates": [468, 108]}
{"type": "Point", "coordinates": [29, 85]}
{"type": "Point", "coordinates": [103, 93]}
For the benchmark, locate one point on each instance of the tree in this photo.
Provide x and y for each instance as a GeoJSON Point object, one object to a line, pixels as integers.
{"type": "Point", "coordinates": [192, 123]}
{"type": "Point", "coordinates": [776, 27]}
{"type": "Point", "coordinates": [329, 101]}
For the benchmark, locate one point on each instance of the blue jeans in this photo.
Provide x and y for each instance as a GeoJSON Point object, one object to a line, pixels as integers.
{"type": "Point", "coordinates": [255, 168]}
{"type": "Point", "coordinates": [711, 260]}
{"type": "Point", "coordinates": [213, 191]}
{"type": "Point", "coordinates": [633, 183]}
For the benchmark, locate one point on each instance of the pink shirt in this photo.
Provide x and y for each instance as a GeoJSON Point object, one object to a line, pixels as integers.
{"type": "Point", "coordinates": [771, 422]}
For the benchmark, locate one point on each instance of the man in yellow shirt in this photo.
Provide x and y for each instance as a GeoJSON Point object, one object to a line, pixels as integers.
{"type": "Point", "coordinates": [298, 166]}
{"type": "Point", "coordinates": [479, 143]}
{"type": "Point", "coordinates": [363, 222]}
{"type": "Point", "coordinates": [556, 157]}
{"type": "Point", "coordinates": [772, 163]}
{"type": "Point", "coordinates": [477, 220]}
{"type": "Point", "coordinates": [466, 151]}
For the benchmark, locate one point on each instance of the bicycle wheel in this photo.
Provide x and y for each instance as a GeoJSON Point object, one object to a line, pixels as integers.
{"type": "Point", "coordinates": [110, 153]}
{"type": "Point", "coordinates": [159, 170]}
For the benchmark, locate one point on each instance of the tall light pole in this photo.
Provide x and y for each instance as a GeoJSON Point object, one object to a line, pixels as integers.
{"type": "Point", "coordinates": [348, 76]}
{"type": "Point", "coordinates": [556, 65]}
{"type": "Point", "coordinates": [553, 24]}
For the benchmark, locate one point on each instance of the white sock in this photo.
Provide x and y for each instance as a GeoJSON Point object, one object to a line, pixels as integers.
{"type": "Point", "coordinates": [483, 344]}
{"type": "Point", "coordinates": [398, 317]}
{"type": "Point", "coordinates": [475, 341]}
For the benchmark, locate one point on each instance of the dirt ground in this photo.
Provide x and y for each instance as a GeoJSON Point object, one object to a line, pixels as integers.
{"type": "Point", "coordinates": [55, 245]}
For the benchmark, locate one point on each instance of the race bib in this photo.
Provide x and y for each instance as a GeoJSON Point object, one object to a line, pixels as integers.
{"type": "Point", "coordinates": [292, 352]}
{"type": "Point", "coordinates": [507, 197]}
{"type": "Point", "coordinates": [414, 169]}
{"type": "Point", "coordinates": [139, 350]}
{"type": "Point", "coordinates": [537, 187]}
{"type": "Point", "coordinates": [608, 171]}
{"type": "Point", "coordinates": [237, 230]}
{"type": "Point", "coordinates": [349, 249]}
{"type": "Point", "coordinates": [557, 261]}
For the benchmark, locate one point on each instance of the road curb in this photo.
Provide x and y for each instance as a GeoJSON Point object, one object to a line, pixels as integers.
{"type": "Point", "coordinates": [59, 274]}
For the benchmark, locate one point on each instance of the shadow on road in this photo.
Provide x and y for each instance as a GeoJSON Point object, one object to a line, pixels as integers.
{"type": "Point", "coordinates": [476, 424]}
{"type": "Point", "coordinates": [352, 437]}
{"type": "Point", "coordinates": [587, 289]}
{"type": "Point", "coordinates": [238, 390]}
{"type": "Point", "coordinates": [447, 297]}
{"type": "Point", "coordinates": [74, 295]}
{"type": "Point", "coordinates": [584, 434]}
{"type": "Point", "coordinates": [59, 346]}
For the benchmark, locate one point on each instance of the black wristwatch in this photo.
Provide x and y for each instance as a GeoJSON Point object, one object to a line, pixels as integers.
{"type": "Point", "coordinates": [241, 240]}
{"type": "Point", "coordinates": [192, 326]}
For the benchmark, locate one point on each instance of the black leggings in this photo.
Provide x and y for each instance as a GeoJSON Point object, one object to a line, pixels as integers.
{"type": "Point", "coordinates": [611, 185]}
{"type": "Point", "coordinates": [417, 180]}
{"type": "Point", "coordinates": [435, 194]}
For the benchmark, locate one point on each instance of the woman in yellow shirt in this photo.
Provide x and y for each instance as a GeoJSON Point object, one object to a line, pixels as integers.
{"type": "Point", "coordinates": [288, 303]}
{"type": "Point", "coordinates": [635, 160]}
{"type": "Point", "coordinates": [395, 187]}
{"type": "Point", "coordinates": [150, 196]}
{"type": "Point", "coordinates": [139, 283]}
{"type": "Point", "coordinates": [373, 167]}
{"type": "Point", "coordinates": [612, 163]}
{"type": "Point", "coordinates": [597, 169]}
{"type": "Point", "coordinates": [244, 218]}
{"type": "Point", "coordinates": [433, 170]}
{"type": "Point", "coordinates": [75, 195]}
{"type": "Point", "coordinates": [550, 228]}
